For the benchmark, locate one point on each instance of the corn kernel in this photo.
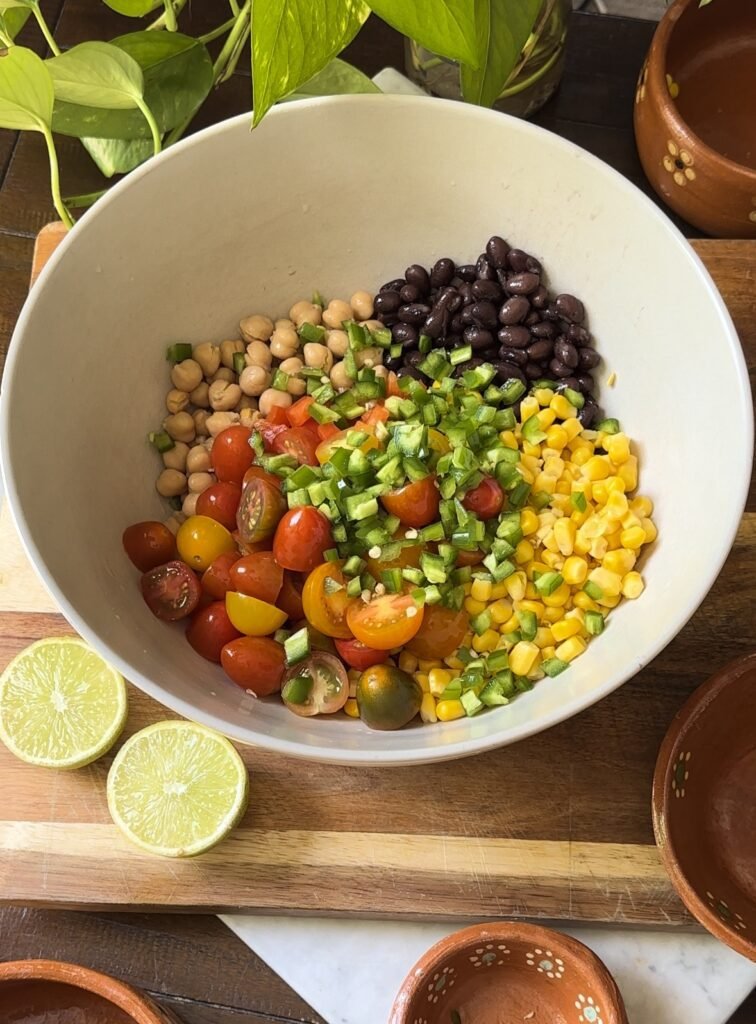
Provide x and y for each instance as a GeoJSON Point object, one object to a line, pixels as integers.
{"type": "Point", "coordinates": [600, 492]}
{"type": "Point", "coordinates": [427, 665]}
{"type": "Point", "coordinates": [536, 607]}
{"type": "Point", "coordinates": [546, 417]}
{"type": "Point", "coordinates": [428, 709]}
{"type": "Point", "coordinates": [544, 396]}
{"type": "Point", "coordinates": [629, 473]}
{"type": "Point", "coordinates": [524, 552]}
{"type": "Point", "coordinates": [620, 561]}
{"type": "Point", "coordinates": [617, 448]}
{"type": "Point", "coordinates": [649, 529]}
{"type": "Point", "coordinates": [530, 462]}
{"type": "Point", "coordinates": [528, 407]}
{"type": "Point", "coordinates": [532, 451]}
{"type": "Point", "coordinates": [556, 437]}
{"type": "Point", "coordinates": [481, 590]}
{"type": "Point", "coordinates": [609, 582]}
{"type": "Point", "coordinates": [488, 641]}
{"type": "Point", "coordinates": [522, 657]}
{"type": "Point", "coordinates": [587, 604]}
{"type": "Point", "coordinates": [473, 607]}
{"type": "Point", "coordinates": [610, 602]}
{"type": "Point", "coordinates": [543, 637]}
{"type": "Point", "coordinates": [564, 487]}
{"type": "Point", "coordinates": [575, 570]}
{"type": "Point", "coordinates": [599, 547]}
{"type": "Point", "coordinates": [453, 662]}
{"type": "Point", "coordinates": [597, 468]}
{"type": "Point", "coordinates": [500, 611]}
{"type": "Point", "coordinates": [616, 483]}
{"type": "Point", "coordinates": [632, 585]}
{"type": "Point", "coordinates": [571, 648]}
{"type": "Point", "coordinates": [423, 681]}
{"type": "Point", "coordinates": [530, 591]}
{"type": "Point", "coordinates": [528, 522]}
{"type": "Point", "coordinates": [572, 426]}
{"type": "Point", "coordinates": [616, 505]}
{"type": "Point", "coordinates": [564, 534]}
{"type": "Point", "coordinates": [407, 662]}
{"type": "Point", "coordinates": [527, 474]}
{"type": "Point", "coordinates": [515, 585]}
{"type": "Point", "coordinates": [510, 625]}
{"type": "Point", "coordinates": [499, 590]}
{"type": "Point", "coordinates": [633, 537]}
{"type": "Point", "coordinates": [582, 455]}
{"type": "Point", "coordinates": [559, 598]}
{"type": "Point", "coordinates": [629, 520]}
{"type": "Point", "coordinates": [438, 680]}
{"type": "Point", "coordinates": [448, 710]}
{"type": "Point", "coordinates": [565, 628]}
{"type": "Point", "coordinates": [553, 560]}
{"type": "Point", "coordinates": [564, 410]}
{"type": "Point", "coordinates": [642, 507]}
{"type": "Point", "coordinates": [548, 652]}
{"type": "Point", "coordinates": [351, 709]}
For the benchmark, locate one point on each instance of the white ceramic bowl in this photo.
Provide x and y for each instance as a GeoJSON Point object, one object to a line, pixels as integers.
{"type": "Point", "coordinates": [338, 194]}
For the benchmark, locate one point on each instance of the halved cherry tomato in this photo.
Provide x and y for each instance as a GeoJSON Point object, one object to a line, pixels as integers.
{"type": "Point", "coordinates": [469, 557]}
{"type": "Point", "coordinates": [251, 549]}
{"type": "Point", "coordinates": [318, 686]}
{"type": "Point", "coordinates": [259, 576]}
{"type": "Point", "coordinates": [408, 558]}
{"type": "Point", "coordinates": [269, 430]}
{"type": "Point", "coordinates": [220, 501]}
{"type": "Point", "coordinates": [441, 633]}
{"type": "Point", "coordinates": [210, 630]}
{"type": "Point", "coordinates": [262, 474]}
{"type": "Point", "coordinates": [302, 537]}
{"type": "Point", "coordinates": [290, 598]}
{"type": "Point", "coordinates": [485, 500]}
{"type": "Point", "coordinates": [390, 620]}
{"type": "Point", "coordinates": [278, 415]}
{"type": "Point", "coordinates": [256, 663]}
{"type": "Point", "coordinates": [252, 616]}
{"type": "Point", "coordinates": [299, 412]}
{"type": "Point", "coordinates": [260, 510]}
{"type": "Point", "coordinates": [339, 440]}
{"type": "Point", "coordinates": [201, 539]}
{"type": "Point", "coordinates": [171, 591]}
{"type": "Point", "coordinates": [325, 603]}
{"type": "Point", "coordinates": [416, 504]}
{"type": "Point", "coordinates": [327, 430]}
{"type": "Point", "coordinates": [149, 544]}
{"type": "Point", "coordinates": [298, 442]}
{"type": "Point", "coordinates": [216, 579]}
{"type": "Point", "coordinates": [358, 656]}
{"type": "Point", "coordinates": [231, 454]}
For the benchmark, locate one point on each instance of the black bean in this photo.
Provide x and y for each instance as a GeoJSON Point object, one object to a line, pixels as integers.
{"type": "Point", "coordinates": [435, 322]}
{"type": "Point", "coordinates": [550, 313]}
{"type": "Point", "coordinates": [541, 350]}
{"type": "Point", "coordinates": [570, 382]}
{"type": "Point", "coordinates": [508, 371]}
{"type": "Point", "coordinates": [502, 276]}
{"type": "Point", "coordinates": [414, 358]}
{"type": "Point", "coordinates": [404, 334]}
{"type": "Point", "coordinates": [469, 365]}
{"type": "Point", "coordinates": [413, 313]}
{"type": "Point", "coordinates": [467, 272]}
{"type": "Point", "coordinates": [465, 290]}
{"type": "Point", "coordinates": [588, 358]}
{"type": "Point", "coordinates": [496, 250]}
{"type": "Point", "coordinates": [484, 313]}
{"type": "Point", "coordinates": [578, 334]}
{"type": "Point", "coordinates": [410, 293]}
{"type": "Point", "coordinates": [533, 318]}
{"type": "Point", "coordinates": [454, 341]}
{"type": "Point", "coordinates": [490, 290]}
{"type": "Point", "coordinates": [566, 352]}
{"type": "Point", "coordinates": [483, 269]}
{"type": "Point", "coordinates": [518, 356]}
{"type": "Point", "coordinates": [466, 315]}
{"type": "Point", "coordinates": [558, 368]}
{"type": "Point", "coordinates": [517, 260]}
{"type": "Point", "coordinates": [456, 281]}
{"type": "Point", "coordinates": [442, 272]}
{"type": "Point", "coordinates": [514, 337]}
{"type": "Point", "coordinates": [514, 310]}
{"type": "Point", "coordinates": [533, 371]}
{"type": "Point", "coordinates": [418, 276]}
{"type": "Point", "coordinates": [393, 286]}
{"type": "Point", "coordinates": [387, 302]}
{"type": "Point", "coordinates": [570, 308]}
{"type": "Point", "coordinates": [489, 354]}
{"type": "Point", "coordinates": [543, 330]}
{"type": "Point", "coordinates": [393, 362]}
{"type": "Point", "coordinates": [586, 383]}
{"type": "Point", "coordinates": [456, 324]}
{"type": "Point", "coordinates": [540, 297]}
{"type": "Point", "coordinates": [388, 319]}
{"type": "Point", "coordinates": [589, 412]}
{"type": "Point", "coordinates": [533, 265]}
{"type": "Point", "coordinates": [449, 299]}
{"type": "Point", "coordinates": [412, 371]}
{"type": "Point", "coordinates": [522, 284]}
{"type": "Point", "coordinates": [478, 337]}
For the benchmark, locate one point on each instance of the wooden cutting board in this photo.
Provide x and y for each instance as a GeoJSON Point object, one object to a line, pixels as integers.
{"type": "Point", "coordinates": [557, 826]}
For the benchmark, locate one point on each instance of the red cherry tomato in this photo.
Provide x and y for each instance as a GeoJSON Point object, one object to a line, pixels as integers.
{"type": "Point", "coordinates": [290, 598]}
{"type": "Point", "coordinates": [469, 557]}
{"type": "Point", "coordinates": [358, 655]}
{"type": "Point", "coordinates": [256, 663]}
{"type": "Point", "coordinates": [231, 454]}
{"type": "Point", "coordinates": [258, 576]}
{"type": "Point", "coordinates": [220, 501]}
{"type": "Point", "coordinates": [441, 633]}
{"type": "Point", "coordinates": [260, 510]}
{"type": "Point", "coordinates": [485, 500]}
{"type": "Point", "coordinates": [210, 630]}
{"type": "Point", "coordinates": [416, 504]}
{"type": "Point", "coordinates": [302, 537]}
{"type": "Point", "coordinates": [216, 579]}
{"type": "Point", "coordinates": [171, 591]}
{"type": "Point", "coordinates": [149, 544]}
{"type": "Point", "coordinates": [298, 442]}
{"type": "Point", "coordinates": [269, 431]}
{"type": "Point", "coordinates": [262, 474]}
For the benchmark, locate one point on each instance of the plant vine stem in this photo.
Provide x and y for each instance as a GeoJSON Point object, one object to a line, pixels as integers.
{"type": "Point", "coordinates": [234, 8]}
{"type": "Point", "coordinates": [170, 16]}
{"type": "Point", "coordinates": [150, 119]}
{"type": "Point", "coordinates": [6, 41]}
{"type": "Point", "coordinates": [217, 32]}
{"type": "Point", "coordinates": [60, 206]}
{"type": "Point", "coordinates": [532, 41]}
{"type": "Point", "coordinates": [177, 7]}
{"type": "Point", "coordinates": [40, 18]}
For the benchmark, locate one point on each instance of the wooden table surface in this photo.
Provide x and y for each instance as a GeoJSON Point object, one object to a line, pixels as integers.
{"type": "Point", "coordinates": [193, 964]}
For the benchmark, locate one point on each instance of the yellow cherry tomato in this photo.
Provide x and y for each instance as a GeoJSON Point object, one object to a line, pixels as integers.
{"type": "Point", "coordinates": [201, 539]}
{"type": "Point", "coordinates": [325, 449]}
{"type": "Point", "coordinates": [252, 616]}
{"type": "Point", "coordinates": [325, 600]}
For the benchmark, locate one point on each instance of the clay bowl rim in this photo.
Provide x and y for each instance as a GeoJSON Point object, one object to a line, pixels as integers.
{"type": "Point", "coordinates": [606, 991]}
{"type": "Point", "coordinates": [656, 69]}
{"type": "Point", "coordinates": [695, 708]}
{"type": "Point", "coordinates": [118, 993]}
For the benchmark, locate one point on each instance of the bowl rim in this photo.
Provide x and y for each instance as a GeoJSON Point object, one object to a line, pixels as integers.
{"type": "Point", "coordinates": [656, 66]}
{"type": "Point", "coordinates": [323, 752]}
{"type": "Point", "coordinates": [608, 992]}
{"type": "Point", "coordinates": [689, 715]}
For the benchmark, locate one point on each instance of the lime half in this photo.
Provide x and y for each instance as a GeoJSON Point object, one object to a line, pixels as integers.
{"type": "Point", "coordinates": [61, 705]}
{"type": "Point", "coordinates": [177, 788]}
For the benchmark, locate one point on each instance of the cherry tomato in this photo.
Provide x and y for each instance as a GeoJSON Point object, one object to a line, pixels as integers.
{"type": "Point", "coordinates": [326, 431]}
{"type": "Point", "coordinates": [302, 537]}
{"type": "Point", "coordinates": [260, 510]}
{"type": "Point", "coordinates": [259, 576]}
{"type": "Point", "coordinates": [256, 663]}
{"type": "Point", "coordinates": [216, 579]}
{"type": "Point", "coordinates": [210, 630]}
{"type": "Point", "coordinates": [318, 686]}
{"type": "Point", "coordinates": [231, 454]}
{"type": "Point", "coordinates": [441, 633]}
{"type": "Point", "coordinates": [339, 440]}
{"type": "Point", "coordinates": [262, 474]}
{"type": "Point", "coordinates": [358, 656]}
{"type": "Point", "coordinates": [220, 501]}
{"type": "Point", "coordinates": [290, 598]}
{"type": "Point", "coordinates": [485, 500]}
{"type": "Point", "coordinates": [469, 557]}
{"type": "Point", "coordinates": [278, 415]}
{"type": "Point", "coordinates": [324, 606]}
{"type": "Point", "coordinates": [269, 431]}
{"type": "Point", "coordinates": [201, 539]}
{"type": "Point", "coordinates": [171, 591]}
{"type": "Point", "coordinates": [384, 622]}
{"type": "Point", "coordinates": [252, 616]}
{"type": "Point", "coordinates": [387, 697]}
{"type": "Point", "coordinates": [149, 544]}
{"type": "Point", "coordinates": [298, 442]}
{"type": "Point", "coordinates": [408, 558]}
{"type": "Point", "coordinates": [299, 412]}
{"type": "Point", "coordinates": [416, 504]}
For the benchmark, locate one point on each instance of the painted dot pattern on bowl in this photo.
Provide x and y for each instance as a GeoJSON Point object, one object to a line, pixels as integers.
{"type": "Point", "coordinates": [589, 1012]}
{"type": "Point", "coordinates": [440, 982]}
{"type": "Point", "coordinates": [680, 773]}
{"type": "Point", "coordinates": [545, 962]}
{"type": "Point", "coordinates": [488, 955]}
{"type": "Point", "coordinates": [725, 913]}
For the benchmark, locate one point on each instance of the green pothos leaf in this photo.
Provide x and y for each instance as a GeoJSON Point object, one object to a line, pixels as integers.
{"type": "Point", "coordinates": [447, 27]}
{"type": "Point", "coordinates": [503, 27]}
{"type": "Point", "coordinates": [335, 79]}
{"type": "Point", "coordinates": [13, 19]}
{"type": "Point", "coordinates": [118, 156]}
{"type": "Point", "coordinates": [26, 91]}
{"type": "Point", "coordinates": [97, 74]}
{"type": "Point", "coordinates": [133, 8]}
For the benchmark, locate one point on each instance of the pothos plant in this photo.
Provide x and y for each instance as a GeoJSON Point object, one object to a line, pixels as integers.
{"type": "Point", "coordinates": [129, 97]}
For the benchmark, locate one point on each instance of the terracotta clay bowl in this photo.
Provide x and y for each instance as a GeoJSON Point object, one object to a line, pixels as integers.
{"type": "Point", "coordinates": [515, 972]}
{"type": "Point", "coordinates": [33, 990]}
{"type": "Point", "coordinates": [694, 114]}
{"type": "Point", "coordinates": [704, 805]}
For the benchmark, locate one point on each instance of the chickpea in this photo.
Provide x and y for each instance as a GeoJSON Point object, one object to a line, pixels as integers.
{"type": "Point", "coordinates": [176, 457]}
{"type": "Point", "coordinates": [223, 374]}
{"type": "Point", "coordinates": [381, 371]}
{"type": "Point", "coordinates": [245, 402]}
{"type": "Point", "coordinates": [223, 395]}
{"type": "Point", "coordinates": [374, 325]}
{"type": "Point", "coordinates": [200, 417]}
{"type": "Point", "coordinates": [362, 304]}
{"type": "Point", "coordinates": [294, 366]}
{"type": "Point", "coordinates": [272, 397]}
{"type": "Point", "coordinates": [176, 401]}
{"type": "Point", "coordinates": [259, 354]}
{"type": "Point", "coordinates": [338, 343]}
{"type": "Point", "coordinates": [198, 459]}
{"type": "Point", "coordinates": [337, 312]}
{"type": "Point", "coordinates": [180, 426]}
{"type": "Point", "coordinates": [368, 357]}
{"type": "Point", "coordinates": [220, 420]}
{"type": "Point", "coordinates": [254, 380]}
{"type": "Point", "coordinates": [340, 378]}
{"type": "Point", "coordinates": [174, 522]}
{"type": "Point", "coordinates": [228, 350]}
{"type": "Point", "coordinates": [199, 482]}
{"type": "Point", "coordinates": [318, 355]}
{"type": "Point", "coordinates": [305, 313]}
{"type": "Point", "coordinates": [186, 375]}
{"type": "Point", "coordinates": [170, 483]}
{"type": "Point", "coordinates": [284, 342]}
{"type": "Point", "coordinates": [208, 356]}
{"type": "Point", "coordinates": [283, 321]}
{"type": "Point", "coordinates": [256, 327]}
{"type": "Point", "coordinates": [199, 397]}
{"type": "Point", "coordinates": [249, 417]}
{"type": "Point", "coordinates": [189, 508]}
